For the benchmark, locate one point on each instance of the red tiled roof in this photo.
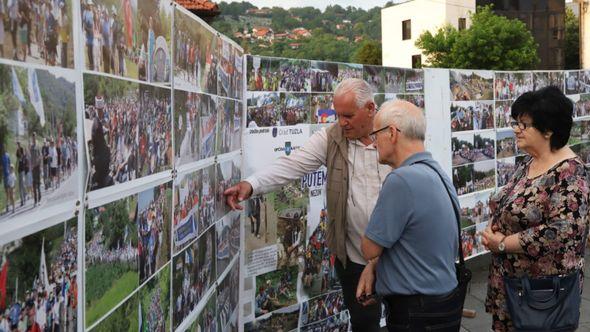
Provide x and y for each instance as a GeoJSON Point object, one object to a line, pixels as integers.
{"type": "Point", "coordinates": [200, 5]}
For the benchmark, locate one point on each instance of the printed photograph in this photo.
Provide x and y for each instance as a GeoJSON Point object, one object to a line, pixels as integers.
{"type": "Point", "coordinates": [580, 132]}
{"type": "Point", "coordinates": [154, 303]}
{"type": "Point", "coordinates": [468, 241]}
{"type": "Point", "coordinates": [474, 209]}
{"type": "Point", "coordinates": [471, 85]}
{"type": "Point", "coordinates": [374, 76]}
{"type": "Point", "coordinates": [547, 78]}
{"type": "Point", "coordinates": [463, 149]}
{"type": "Point", "coordinates": [484, 175]}
{"type": "Point", "coordinates": [583, 151]}
{"type": "Point", "coordinates": [38, 273]}
{"type": "Point", "coordinates": [38, 32]}
{"type": "Point", "coordinates": [208, 128]}
{"type": "Point", "coordinates": [154, 19]}
{"type": "Point", "coordinates": [337, 323]}
{"type": "Point", "coordinates": [284, 319]}
{"type": "Point", "coordinates": [502, 113]}
{"type": "Point", "coordinates": [572, 82]}
{"type": "Point", "coordinates": [584, 80]}
{"type": "Point", "coordinates": [505, 144]}
{"type": "Point", "coordinates": [226, 69]}
{"type": "Point", "coordinates": [187, 190]}
{"type": "Point", "coordinates": [463, 179]}
{"type": "Point", "coordinates": [276, 290]}
{"type": "Point", "coordinates": [230, 119]}
{"type": "Point", "coordinates": [262, 73]}
{"type": "Point", "coordinates": [509, 86]}
{"type": "Point", "coordinates": [294, 75]}
{"type": "Point", "coordinates": [228, 295]}
{"type": "Point", "coordinates": [112, 108]}
{"type": "Point", "coordinates": [187, 106]}
{"type": "Point", "coordinates": [324, 76]}
{"type": "Point", "coordinates": [193, 273]}
{"type": "Point", "coordinates": [38, 140]}
{"type": "Point", "coordinates": [229, 173]}
{"type": "Point", "coordinates": [111, 256]}
{"type": "Point", "coordinates": [582, 105]}
{"type": "Point", "coordinates": [322, 109]}
{"type": "Point", "coordinates": [462, 116]}
{"type": "Point", "coordinates": [348, 70]}
{"type": "Point", "coordinates": [395, 80]}
{"type": "Point", "coordinates": [321, 307]}
{"type": "Point", "coordinates": [206, 321]}
{"type": "Point", "coordinates": [416, 99]}
{"type": "Point", "coordinates": [124, 318]}
{"type": "Point", "coordinates": [264, 109]}
{"type": "Point", "coordinates": [414, 81]}
{"type": "Point", "coordinates": [483, 145]}
{"type": "Point", "coordinates": [153, 224]}
{"type": "Point", "coordinates": [237, 80]}
{"type": "Point", "coordinates": [228, 240]}
{"type": "Point", "coordinates": [483, 115]}
{"type": "Point", "coordinates": [296, 107]}
{"type": "Point", "coordinates": [207, 212]}
{"type": "Point", "coordinates": [506, 168]}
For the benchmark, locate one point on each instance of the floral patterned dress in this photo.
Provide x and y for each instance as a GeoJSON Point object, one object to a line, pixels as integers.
{"type": "Point", "coordinates": [549, 214]}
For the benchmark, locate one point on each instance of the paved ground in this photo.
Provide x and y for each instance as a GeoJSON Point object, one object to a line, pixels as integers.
{"type": "Point", "coordinates": [476, 297]}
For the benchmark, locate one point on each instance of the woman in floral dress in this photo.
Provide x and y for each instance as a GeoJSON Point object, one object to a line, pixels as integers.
{"type": "Point", "coordinates": [539, 219]}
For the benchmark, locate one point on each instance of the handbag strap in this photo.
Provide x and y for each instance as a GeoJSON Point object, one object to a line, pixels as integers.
{"type": "Point", "coordinates": [455, 209]}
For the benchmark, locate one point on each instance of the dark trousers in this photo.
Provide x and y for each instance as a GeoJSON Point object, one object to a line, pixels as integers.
{"type": "Point", "coordinates": [37, 183]}
{"type": "Point", "coordinates": [424, 313]}
{"type": "Point", "coordinates": [361, 318]}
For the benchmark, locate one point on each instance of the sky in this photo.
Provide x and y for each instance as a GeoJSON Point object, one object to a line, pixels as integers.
{"type": "Point", "coordinates": [321, 4]}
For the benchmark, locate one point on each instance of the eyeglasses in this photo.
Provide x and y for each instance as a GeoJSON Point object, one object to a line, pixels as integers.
{"type": "Point", "coordinates": [520, 125]}
{"type": "Point", "coordinates": [373, 135]}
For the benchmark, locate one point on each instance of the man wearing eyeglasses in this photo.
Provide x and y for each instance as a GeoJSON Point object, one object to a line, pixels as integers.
{"type": "Point", "coordinates": [354, 177]}
{"type": "Point", "coordinates": [412, 237]}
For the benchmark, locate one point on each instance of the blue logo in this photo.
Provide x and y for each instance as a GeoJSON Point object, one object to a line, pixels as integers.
{"type": "Point", "coordinates": [274, 132]}
{"type": "Point", "coordinates": [288, 148]}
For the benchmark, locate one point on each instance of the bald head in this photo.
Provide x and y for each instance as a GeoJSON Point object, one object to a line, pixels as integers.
{"type": "Point", "coordinates": [407, 117]}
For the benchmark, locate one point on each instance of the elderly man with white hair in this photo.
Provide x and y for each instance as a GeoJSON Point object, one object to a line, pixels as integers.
{"type": "Point", "coordinates": [412, 238]}
{"type": "Point", "coordinates": [354, 177]}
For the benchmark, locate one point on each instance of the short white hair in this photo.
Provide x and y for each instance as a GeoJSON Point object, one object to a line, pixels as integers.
{"type": "Point", "coordinates": [363, 93]}
{"type": "Point", "coordinates": [407, 117]}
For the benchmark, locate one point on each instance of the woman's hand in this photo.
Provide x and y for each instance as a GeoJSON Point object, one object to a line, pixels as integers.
{"type": "Point", "coordinates": [492, 238]}
{"type": "Point", "coordinates": [365, 289]}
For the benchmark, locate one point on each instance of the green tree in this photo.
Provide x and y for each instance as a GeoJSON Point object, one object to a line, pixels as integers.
{"type": "Point", "coordinates": [491, 42]}
{"type": "Point", "coordinates": [368, 53]}
{"type": "Point", "coordinates": [572, 40]}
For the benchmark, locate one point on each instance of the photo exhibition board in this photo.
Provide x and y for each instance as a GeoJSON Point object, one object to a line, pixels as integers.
{"type": "Point", "coordinates": [289, 275]}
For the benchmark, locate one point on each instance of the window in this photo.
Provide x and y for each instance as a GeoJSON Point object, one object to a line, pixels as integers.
{"type": "Point", "coordinates": [406, 29]}
{"type": "Point", "coordinates": [417, 61]}
{"type": "Point", "coordinates": [462, 23]}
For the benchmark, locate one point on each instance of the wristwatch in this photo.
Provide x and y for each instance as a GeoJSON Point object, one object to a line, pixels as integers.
{"type": "Point", "coordinates": [501, 245]}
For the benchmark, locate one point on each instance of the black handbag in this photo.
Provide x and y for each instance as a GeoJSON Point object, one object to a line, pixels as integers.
{"type": "Point", "coordinates": [544, 304]}
{"type": "Point", "coordinates": [463, 273]}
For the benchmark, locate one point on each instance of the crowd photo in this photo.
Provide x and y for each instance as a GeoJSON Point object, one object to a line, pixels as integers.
{"type": "Point", "coordinates": [582, 106]}
{"type": "Point", "coordinates": [505, 167]}
{"type": "Point", "coordinates": [374, 76]}
{"type": "Point", "coordinates": [502, 113]}
{"type": "Point", "coordinates": [38, 32]}
{"type": "Point", "coordinates": [461, 116]}
{"type": "Point", "coordinates": [296, 109]}
{"type": "Point", "coordinates": [505, 144]}
{"type": "Point", "coordinates": [471, 85]}
{"type": "Point", "coordinates": [186, 126]}
{"type": "Point", "coordinates": [154, 303]}
{"type": "Point", "coordinates": [294, 75]}
{"type": "Point", "coordinates": [207, 212]}
{"type": "Point", "coordinates": [509, 86]}
{"type": "Point", "coordinates": [483, 115]}
{"type": "Point", "coordinates": [337, 323]}
{"type": "Point", "coordinates": [227, 71]}
{"type": "Point", "coordinates": [395, 80]}
{"type": "Point", "coordinates": [208, 130]}
{"type": "Point", "coordinates": [324, 76]}
{"type": "Point", "coordinates": [207, 320]}
{"type": "Point", "coordinates": [193, 274]}
{"type": "Point", "coordinates": [275, 290]}
{"type": "Point", "coordinates": [187, 193]}
{"type": "Point", "coordinates": [414, 81]}
{"type": "Point", "coordinates": [227, 295]}
{"type": "Point", "coordinates": [264, 109]}
{"type": "Point", "coordinates": [474, 209]}
{"type": "Point", "coordinates": [483, 145]}
{"type": "Point", "coordinates": [572, 82]}
{"type": "Point", "coordinates": [42, 297]}
{"type": "Point", "coordinates": [462, 147]}
{"type": "Point", "coordinates": [322, 109]}
{"type": "Point", "coordinates": [39, 148]}
{"type": "Point", "coordinates": [321, 307]}
{"type": "Point", "coordinates": [263, 73]}
{"type": "Point", "coordinates": [484, 175]}
{"type": "Point", "coordinates": [548, 78]}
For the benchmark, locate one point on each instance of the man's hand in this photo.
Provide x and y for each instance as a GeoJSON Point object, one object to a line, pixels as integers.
{"type": "Point", "coordinates": [236, 194]}
{"type": "Point", "coordinates": [364, 290]}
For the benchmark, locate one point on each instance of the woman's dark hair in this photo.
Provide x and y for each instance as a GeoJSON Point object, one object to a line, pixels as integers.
{"type": "Point", "coordinates": [550, 110]}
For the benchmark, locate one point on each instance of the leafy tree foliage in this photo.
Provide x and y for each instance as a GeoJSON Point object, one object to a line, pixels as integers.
{"type": "Point", "coordinates": [369, 53]}
{"type": "Point", "coordinates": [572, 40]}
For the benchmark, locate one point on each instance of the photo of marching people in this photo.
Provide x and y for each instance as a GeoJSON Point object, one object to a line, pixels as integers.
{"type": "Point", "coordinates": [238, 78]}
{"type": "Point", "coordinates": [321, 307]}
{"type": "Point", "coordinates": [283, 320]}
{"type": "Point", "coordinates": [294, 75]}
{"type": "Point", "coordinates": [468, 241]}
{"type": "Point", "coordinates": [207, 321]}
{"type": "Point", "coordinates": [236, 132]}
{"type": "Point", "coordinates": [509, 86]}
{"type": "Point", "coordinates": [264, 109]}
{"type": "Point", "coordinates": [187, 191]}
{"type": "Point", "coordinates": [109, 31]}
{"type": "Point", "coordinates": [472, 85]}
{"type": "Point", "coordinates": [228, 120]}
{"type": "Point", "coordinates": [111, 256]}
{"type": "Point", "coordinates": [580, 132]}
{"type": "Point", "coordinates": [124, 318]}
{"type": "Point", "coordinates": [484, 175]}
{"type": "Point", "coordinates": [207, 212]}
{"type": "Point", "coordinates": [506, 167]}
{"type": "Point", "coordinates": [395, 80]}
{"type": "Point", "coordinates": [154, 18]}
{"type": "Point", "coordinates": [484, 145]}
{"type": "Point", "coordinates": [296, 109]}
{"type": "Point", "coordinates": [474, 209]}
{"type": "Point", "coordinates": [462, 147]}
{"type": "Point", "coordinates": [154, 130]}
{"type": "Point", "coordinates": [228, 295]}
{"type": "Point", "coordinates": [416, 99]}
{"type": "Point", "coordinates": [193, 274]}
{"type": "Point", "coordinates": [275, 290]}
{"type": "Point", "coordinates": [322, 109]}
{"type": "Point", "coordinates": [39, 288]}
{"type": "Point", "coordinates": [324, 76]}
{"type": "Point", "coordinates": [36, 31]}
{"type": "Point", "coordinates": [463, 179]}
{"type": "Point", "coordinates": [584, 80]}
{"type": "Point", "coordinates": [338, 323]}
{"type": "Point", "coordinates": [461, 116]}
{"type": "Point", "coordinates": [228, 240]}
{"type": "Point", "coordinates": [153, 225]}
{"type": "Point", "coordinates": [208, 128]}
{"type": "Point", "coordinates": [187, 51]}
{"type": "Point", "coordinates": [319, 274]}
{"type": "Point", "coordinates": [483, 115]}
{"type": "Point", "coordinates": [542, 79]}
{"type": "Point", "coordinates": [111, 110]}
{"type": "Point", "coordinates": [582, 105]}
{"type": "Point", "coordinates": [414, 81]}
{"type": "Point", "coordinates": [505, 144]}
{"type": "Point", "coordinates": [502, 113]}
{"type": "Point", "coordinates": [263, 73]}
{"type": "Point", "coordinates": [186, 126]}
{"type": "Point", "coordinates": [229, 173]}
{"type": "Point", "coordinates": [374, 76]}
{"type": "Point", "coordinates": [38, 142]}
{"type": "Point", "coordinates": [226, 69]}
{"type": "Point", "coordinates": [572, 82]}
{"type": "Point", "coordinates": [154, 303]}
